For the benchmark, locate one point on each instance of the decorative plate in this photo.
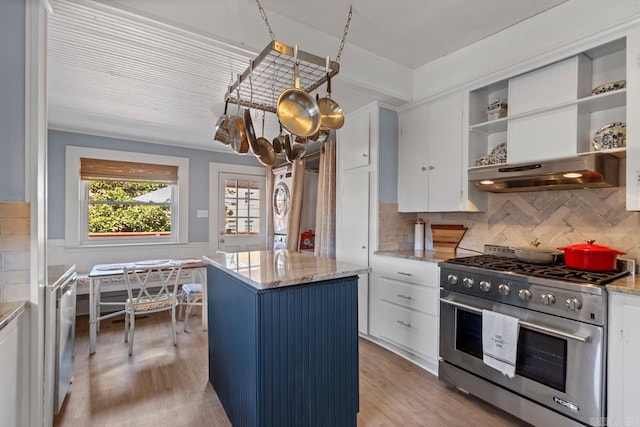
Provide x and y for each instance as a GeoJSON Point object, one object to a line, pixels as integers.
{"type": "Point", "coordinates": [613, 135]}
{"type": "Point", "coordinates": [608, 87]}
{"type": "Point", "coordinates": [498, 154]}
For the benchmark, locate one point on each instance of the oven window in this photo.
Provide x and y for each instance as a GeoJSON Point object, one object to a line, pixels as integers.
{"type": "Point", "coordinates": [542, 358]}
{"type": "Point", "coordinates": [469, 333]}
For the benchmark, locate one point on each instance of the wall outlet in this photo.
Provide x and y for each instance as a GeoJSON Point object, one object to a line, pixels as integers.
{"type": "Point", "coordinates": [202, 214]}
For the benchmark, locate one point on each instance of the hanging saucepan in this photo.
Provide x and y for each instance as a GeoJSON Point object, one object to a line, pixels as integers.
{"type": "Point", "coordinates": [299, 147]}
{"type": "Point", "coordinates": [222, 127]}
{"type": "Point", "coordinates": [296, 109]}
{"type": "Point", "coordinates": [266, 156]}
{"type": "Point", "coordinates": [251, 133]}
{"type": "Point", "coordinates": [287, 150]}
{"type": "Point", "coordinates": [237, 131]}
{"type": "Point", "coordinates": [331, 115]}
{"type": "Point", "coordinates": [590, 257]}
{"type": "Point", "coordinates": [279, 141]}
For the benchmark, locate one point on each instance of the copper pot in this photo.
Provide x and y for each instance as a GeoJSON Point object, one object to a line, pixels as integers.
{"type": "Point", "coordinates": [590, 257]}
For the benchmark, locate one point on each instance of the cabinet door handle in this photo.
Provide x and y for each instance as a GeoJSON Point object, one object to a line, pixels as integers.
{"type": "Point", "coordinates": [365, 155]}
{"type": "Point", "coordinates": [408, 325]}
{"type": "Point", "coordinates": [424, 168]}
{"type": "Point", "coordinates": [404, 296]}
{"type": "Point", "coordinates": [431, 168]}
{"type": "Point", "coordinates": [404, 274]}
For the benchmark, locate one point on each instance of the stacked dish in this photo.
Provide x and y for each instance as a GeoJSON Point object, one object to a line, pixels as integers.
{"type": "Point", "coordinates": [608, 87]}
{"type": "Point", "coordinates": [498, 154]}
{"type": "Point", "coordinates": [613, 135]}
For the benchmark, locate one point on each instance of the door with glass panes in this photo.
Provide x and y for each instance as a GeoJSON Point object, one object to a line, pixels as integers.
{"type": "Point", "coordinates": [241, 212]}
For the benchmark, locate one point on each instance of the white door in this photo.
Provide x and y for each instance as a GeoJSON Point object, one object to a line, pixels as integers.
{"type": "Point", "coordinates": [238, 203]}
{"type": "Point", "coordinates": [352, 233]}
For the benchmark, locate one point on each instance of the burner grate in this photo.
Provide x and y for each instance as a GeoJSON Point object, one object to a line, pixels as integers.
{"type": "Point", "coordinates": [547, 271]}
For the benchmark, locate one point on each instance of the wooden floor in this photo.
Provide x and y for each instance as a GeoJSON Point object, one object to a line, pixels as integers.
{"type": "Point", "coordinates": [163, 385]}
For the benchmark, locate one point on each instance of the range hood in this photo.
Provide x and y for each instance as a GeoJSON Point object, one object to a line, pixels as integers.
{"type": "Point", "coordinates": [594, 170]}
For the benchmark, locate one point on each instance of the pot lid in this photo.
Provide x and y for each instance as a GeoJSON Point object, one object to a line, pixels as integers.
{"type": "Point", "coordinates": [589, 246]}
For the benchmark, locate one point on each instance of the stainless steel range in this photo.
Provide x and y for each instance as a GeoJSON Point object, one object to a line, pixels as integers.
{"type": "Point", "coordinates": [561, 349]}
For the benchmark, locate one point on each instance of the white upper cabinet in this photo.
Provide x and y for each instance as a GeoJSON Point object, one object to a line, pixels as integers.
{"type": "Point", "coordinates": [430, 157]}
{"type": "Point", "coordinates": [356, 135]}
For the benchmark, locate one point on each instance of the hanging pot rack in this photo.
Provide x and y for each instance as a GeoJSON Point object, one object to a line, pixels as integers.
{"type": "Point", "coordinates": [271, 72]}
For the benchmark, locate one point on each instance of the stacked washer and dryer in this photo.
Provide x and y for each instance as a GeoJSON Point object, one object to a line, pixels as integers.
{"type": "Point", "coordinates": [281, 203]}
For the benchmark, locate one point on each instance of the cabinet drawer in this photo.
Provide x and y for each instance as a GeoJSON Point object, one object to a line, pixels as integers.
{"type": "Point", "coordinates": [416, 297]}
{"type": "Point", "coordinates": [416, 332]}
{"type": "Point", "coordinates": [406, 270]}
{"type": "Point", "coordinates": [555, 84]}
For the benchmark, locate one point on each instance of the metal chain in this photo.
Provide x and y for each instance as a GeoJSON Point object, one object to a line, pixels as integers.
{"type": "Point", "coordinates": [266, 20]}
{"type": "Point", "coordinates": [344, 36]}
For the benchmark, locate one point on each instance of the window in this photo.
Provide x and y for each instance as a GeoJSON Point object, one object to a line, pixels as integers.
{"type": "Point", "coordinates": [242, 207]}
{"type": "Point", "coordinates": [125, 202]}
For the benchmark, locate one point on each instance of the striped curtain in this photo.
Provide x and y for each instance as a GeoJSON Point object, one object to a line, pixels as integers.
{"type": "Point", "coordinates": [297, 192]}
{"type": "Point", "coordinates": [325, 239]}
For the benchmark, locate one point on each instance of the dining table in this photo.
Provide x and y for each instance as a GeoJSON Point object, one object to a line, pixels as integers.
{"type": "Point", "coordinates": [110, 277]}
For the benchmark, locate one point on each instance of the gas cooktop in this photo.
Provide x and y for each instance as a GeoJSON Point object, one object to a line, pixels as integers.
{"type": "Point", "coordinates": [547, 271]}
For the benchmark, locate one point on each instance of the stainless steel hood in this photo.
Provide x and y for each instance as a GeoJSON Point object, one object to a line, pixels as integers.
{"type": "Point", "coordinates": [584, 171]}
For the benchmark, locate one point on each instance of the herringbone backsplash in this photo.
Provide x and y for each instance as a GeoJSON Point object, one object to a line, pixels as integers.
{"type": "Point", "coordinates": [555, 218]}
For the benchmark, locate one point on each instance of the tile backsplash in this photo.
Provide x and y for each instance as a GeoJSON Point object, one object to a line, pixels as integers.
{"type": "Point", "coordinates": [15, 249]}
{"type": "Point", "coordinates": [555, 218]}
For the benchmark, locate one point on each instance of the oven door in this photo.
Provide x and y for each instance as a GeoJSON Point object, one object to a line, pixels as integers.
{"type": "Point", "coordinates": [559, 361]}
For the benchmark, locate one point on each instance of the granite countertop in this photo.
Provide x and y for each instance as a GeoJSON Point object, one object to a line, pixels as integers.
{"type": "Point", "coordinates": [11, 310]}
{"type": "Point", "coordinates": [277, 269]}
{"type": "Point", "coordinates": [428, 256]}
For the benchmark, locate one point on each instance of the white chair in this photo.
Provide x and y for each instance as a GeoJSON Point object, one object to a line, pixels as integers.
{"type": "Point", "coordinates": [150, 289]}
{"type": "Point", "coordinates": [192, 295]}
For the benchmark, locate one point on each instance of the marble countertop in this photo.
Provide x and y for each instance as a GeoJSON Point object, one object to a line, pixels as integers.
{"type": "Point", "coordinates": [277, 269]}
{"type": "Point", "coordinates": [11, 310]}
{"type": "Point", "coordinates": [625, 285]}
{"type": "Point", "coordinates": [428, 256]}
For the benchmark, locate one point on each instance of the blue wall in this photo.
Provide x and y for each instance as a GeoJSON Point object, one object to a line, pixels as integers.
{"type": "Point", "coordinates": [388, 155]}
{"type": "Point", "coordinates": [12, 116]}
{"type": "Point", "coordinates": [198, 175]}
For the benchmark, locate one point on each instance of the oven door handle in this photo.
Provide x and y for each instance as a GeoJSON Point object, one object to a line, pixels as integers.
{"type": "Point", "coordinates": [532, 326]}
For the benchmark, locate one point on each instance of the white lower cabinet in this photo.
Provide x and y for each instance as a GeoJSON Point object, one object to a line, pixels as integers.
{"type": "Point", "coordinates": [404, 308]}
{"type": "Point", "coordinates": [623, 369]}
{"type": "Point", "coordinates": [14, 373]}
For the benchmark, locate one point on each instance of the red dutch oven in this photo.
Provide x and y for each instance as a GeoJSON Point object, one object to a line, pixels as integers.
{"type": "Point", "coordinates": [590, 257]}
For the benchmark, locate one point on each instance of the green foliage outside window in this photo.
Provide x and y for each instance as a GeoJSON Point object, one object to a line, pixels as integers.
{"type": "Point", "coordinates": [106, 215]}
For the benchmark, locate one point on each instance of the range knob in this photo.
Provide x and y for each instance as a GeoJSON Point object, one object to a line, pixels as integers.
{"type": "Point", "coordinates": [547, 298]}
{"type": "Point", "coordinates": [504, 289]}
{"type": "Point", "coordinates": [485, 286]}
{"type": "Point", "coordinates": [452, 279]}
{"type": "Point", "coordinates": [574, 304]}
{"type": "Point", "coordinates": [524, 294]}
{"type": "Point", "coordinates": [467, 282]}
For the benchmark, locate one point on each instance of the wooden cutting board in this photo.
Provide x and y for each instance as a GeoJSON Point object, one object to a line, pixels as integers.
{"type": "Point", "coordinates": [446, 237]}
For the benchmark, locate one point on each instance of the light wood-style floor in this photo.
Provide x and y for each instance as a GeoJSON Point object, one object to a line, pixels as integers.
{"type": "Point", "coordinates": [163, 385]}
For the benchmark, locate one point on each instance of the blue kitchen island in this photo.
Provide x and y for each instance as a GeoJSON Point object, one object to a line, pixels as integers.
{"type": "Point", "coordinates": [283, 338]}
